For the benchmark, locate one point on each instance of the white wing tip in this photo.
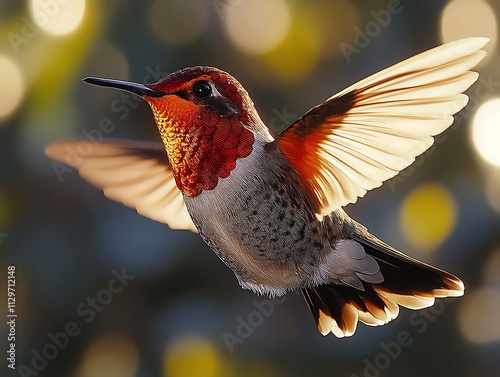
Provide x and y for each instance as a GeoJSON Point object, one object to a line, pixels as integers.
{"type": "Point", "coordinates": [477, 42]}
{"type": "Point", "coordinates": [56, 151]}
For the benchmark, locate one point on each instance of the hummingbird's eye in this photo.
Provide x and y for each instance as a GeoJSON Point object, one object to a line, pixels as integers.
{"type": "Point", "coordinates": [202, 89]}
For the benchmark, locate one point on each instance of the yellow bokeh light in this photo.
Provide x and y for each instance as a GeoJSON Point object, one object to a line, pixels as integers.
{"type": "Point", "coordinates": [334, 22]}
{"type": "Point", "coordinates": [257, 26]}
{"type": "Point", "coordinates": [191, 355]}
{"type": "Point", "coordinates": [486, 131]}
{"type": "Point", "coordinates": [469, 18]}
{"type": "Point", "coordinates": [297, 54]}
{"type": "Point", "coordinates": [428, 216]}
{"type": "Point", "coordinates": [179, 22]}
{"type": "Point", "coordinates": [478, 315]}
{"type": "Point", "coordinates": [57, 17]}
{"type": "Point", "coordinates": [110, 356]}
{"type": "Point", "coordinates": [12, 87]}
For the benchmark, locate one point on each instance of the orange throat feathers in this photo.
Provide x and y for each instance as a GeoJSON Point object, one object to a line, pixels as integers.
{"type": "Point", "coordinates": [202, 146]}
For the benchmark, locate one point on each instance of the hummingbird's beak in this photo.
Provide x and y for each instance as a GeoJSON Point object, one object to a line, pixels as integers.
{"type": "Point", "coordinates": [132, 87]}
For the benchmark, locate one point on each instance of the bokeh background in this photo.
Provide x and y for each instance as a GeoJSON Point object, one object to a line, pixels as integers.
{"type": "Point", "coordinates": [183, 314]}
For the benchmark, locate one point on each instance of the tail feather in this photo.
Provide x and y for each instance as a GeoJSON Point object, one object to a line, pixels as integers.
{"type": "Point", "coordinates": [407, 282]}
{"type": "Point", "coordinates": [337, 308]}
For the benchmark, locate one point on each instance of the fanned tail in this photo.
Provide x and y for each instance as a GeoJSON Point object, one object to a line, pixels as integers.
{"type": "Point", "coordinates": [407, 282]}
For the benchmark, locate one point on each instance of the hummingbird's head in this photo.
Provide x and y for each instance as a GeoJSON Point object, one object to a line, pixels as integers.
{"type": "Point", "coordinates": [206, 120]}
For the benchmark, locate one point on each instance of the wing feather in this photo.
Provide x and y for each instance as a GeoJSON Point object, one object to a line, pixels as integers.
{"type": "Point", "coordinates": [369, 132]}
{"type": "Point", "coordinates": [133, 173]}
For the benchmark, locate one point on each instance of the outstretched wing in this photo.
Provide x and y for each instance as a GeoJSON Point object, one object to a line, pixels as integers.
{"type": "Point", "coordinates": [133, 173]}
{"type": "Point", "coordinates": [375, 128]}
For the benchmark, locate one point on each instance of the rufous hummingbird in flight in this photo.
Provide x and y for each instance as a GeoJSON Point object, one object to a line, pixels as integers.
{"type": "Point", "coordinates": [271, 208]}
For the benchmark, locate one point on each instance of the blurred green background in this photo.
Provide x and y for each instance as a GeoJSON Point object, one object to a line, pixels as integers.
{"type": "Point", "coordinates": [183, 313]}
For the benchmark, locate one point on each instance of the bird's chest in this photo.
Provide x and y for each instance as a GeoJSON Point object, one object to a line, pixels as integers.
{"type": "Point", "coordinates": [259, 223]}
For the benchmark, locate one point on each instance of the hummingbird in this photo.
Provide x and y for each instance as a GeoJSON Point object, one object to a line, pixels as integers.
{"type": "Point", "coordinates": [271, 208]}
